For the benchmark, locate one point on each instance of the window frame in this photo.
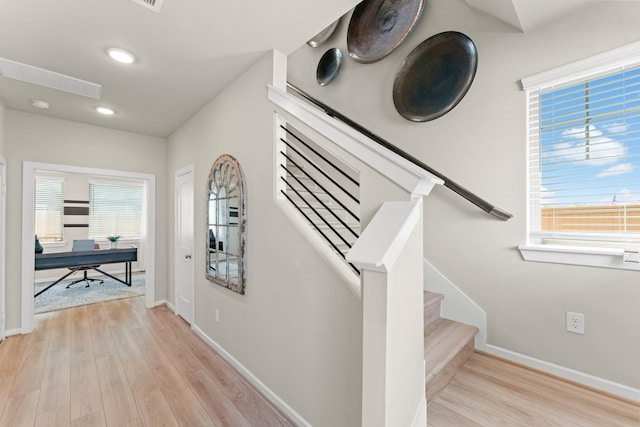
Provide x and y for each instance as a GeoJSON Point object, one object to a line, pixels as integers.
{"type": "Point", "coordinates": [595, 256]}
{"type": "Point", "coordinates": [55, 243]}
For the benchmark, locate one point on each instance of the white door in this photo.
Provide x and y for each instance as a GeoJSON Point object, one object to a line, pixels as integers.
{"type": "Point", "coordinates": [184, 277]}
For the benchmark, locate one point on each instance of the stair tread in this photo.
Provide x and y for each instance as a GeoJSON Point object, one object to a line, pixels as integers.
{"type": "Point", "coordinates": [443, 342]}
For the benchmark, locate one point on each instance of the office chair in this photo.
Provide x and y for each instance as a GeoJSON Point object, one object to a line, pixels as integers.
{"type": "Point", "coordinates": [84, 245]}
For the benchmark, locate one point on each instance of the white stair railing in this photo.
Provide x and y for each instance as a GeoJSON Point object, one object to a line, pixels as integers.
{"type": "Point", "coordinates": [388, 253]}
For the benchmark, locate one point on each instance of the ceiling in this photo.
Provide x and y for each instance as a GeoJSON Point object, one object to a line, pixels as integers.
{"type": "Point", "coordinates": [186, 54]}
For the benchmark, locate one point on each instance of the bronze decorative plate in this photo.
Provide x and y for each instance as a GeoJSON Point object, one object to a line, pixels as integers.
{"type": "Point", "coordinates": [328, 66]}
{"type": "Point", "coordinates": [323, 35]}
{"type": "Point", "coordinates": [435, 76]}
{"type": "Point", "coordinates": [377, 27]}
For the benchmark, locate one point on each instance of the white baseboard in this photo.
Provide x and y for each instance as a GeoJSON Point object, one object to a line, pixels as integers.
{"type": "Point", "coordinates": [165, 302]}
{"type": "Point", "coordinates": [588, 380]}
{"type": "Point", "coordinates": [253, 380]}
{"type": "Point", "coordinates": [10, 332]}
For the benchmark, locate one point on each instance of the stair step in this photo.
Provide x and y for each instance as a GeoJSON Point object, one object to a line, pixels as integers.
{"type": "Point", "coordinates": [447, 346]}
{"type": "Point", "coordinates": [432, 308]}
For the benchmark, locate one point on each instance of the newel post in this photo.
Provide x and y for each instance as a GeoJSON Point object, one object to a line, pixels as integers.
{"type": "Point", "coordinates": [389, 253]}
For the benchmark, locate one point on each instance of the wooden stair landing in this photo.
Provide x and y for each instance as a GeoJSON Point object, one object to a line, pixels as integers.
{"type": "Point", "coordinates": [447, 346]}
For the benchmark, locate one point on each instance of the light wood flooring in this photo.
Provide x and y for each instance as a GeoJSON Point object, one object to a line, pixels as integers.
{"type": "Point", "coordinates": [491, 392]}
{"type": "Point", "coordinates": [118, 364]}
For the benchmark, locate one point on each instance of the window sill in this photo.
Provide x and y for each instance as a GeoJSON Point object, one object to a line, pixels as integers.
{"type": "Point", "coordinates": [574, 255]}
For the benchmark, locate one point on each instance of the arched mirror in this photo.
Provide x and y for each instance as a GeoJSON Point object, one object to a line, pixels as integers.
{"type": "Point", "coordinates": [226, 224]}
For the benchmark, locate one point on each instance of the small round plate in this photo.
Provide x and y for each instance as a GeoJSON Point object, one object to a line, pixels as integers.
{"type": "Point", "coordinates": [328, 66]}
{"type": "Point", "coordinates": [377, 27]}
{"type": "Point", "coordinates": [324, 35]}
{"type": "Point", "coordinates": [435, 76]}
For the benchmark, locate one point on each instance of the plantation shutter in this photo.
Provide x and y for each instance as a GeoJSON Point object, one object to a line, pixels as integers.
{"type": "Point", "coordinates": [115, 209]}
{"type": "Point", "coordinates": [584, 159]}
{"type": "Point", "coordinates": [49, 209]}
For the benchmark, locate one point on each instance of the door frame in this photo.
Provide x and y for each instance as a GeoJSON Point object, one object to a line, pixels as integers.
{"type": "Point", "coordinates": [180, 172]}
{"type": "Point", "coordinates": [28, 225]}
{"type": "Point", "coordinates": [3, 239]}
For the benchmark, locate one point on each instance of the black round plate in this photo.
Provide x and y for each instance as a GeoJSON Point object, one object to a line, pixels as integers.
{"type": "Point", "coordinates": [324, 35]}
{"type": "Point", "coordinates": [377, 27]}
{"type": "Point", "coordinates": [435, 76]}
{"type": "Point", "coordinates": [328, 66]}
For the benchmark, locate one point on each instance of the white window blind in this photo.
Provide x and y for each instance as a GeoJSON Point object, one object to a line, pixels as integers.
{"type": "Point", "coordinates": [49, 209]}
{"type": "Point", "coordinates": [584, 159]}
{"type": "Point", "coordinates": [115, 209]}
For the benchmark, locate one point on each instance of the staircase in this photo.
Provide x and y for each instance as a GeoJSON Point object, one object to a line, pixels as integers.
{"type": "Point", "coordinates": [447, 345]}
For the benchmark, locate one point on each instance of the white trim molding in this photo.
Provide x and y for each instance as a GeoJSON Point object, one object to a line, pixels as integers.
{"type": "Point", "coordinates": [588, 380]}
{"type": "Point", "coordinates": [3, 244]}
{"type": "Point", "coordinates": [252, 379]}
{"type": "Point", "coordinates": [621, 57]}
{"type": "Point", "coordinates": [576, 255]}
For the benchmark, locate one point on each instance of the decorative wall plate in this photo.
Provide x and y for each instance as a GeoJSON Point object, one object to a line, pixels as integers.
{"type": "Point", "coordinates": [323, 35]}
{"type": "Point", "coordinates": [435, 76]}
{"type": "Point", "coordinates": [328, 66]}
{"type": "Point", "coordinates": [377, 27]}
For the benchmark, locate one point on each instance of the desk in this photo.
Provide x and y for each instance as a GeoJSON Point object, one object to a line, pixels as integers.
{"type": "Point", "coordinates": [78, 259]}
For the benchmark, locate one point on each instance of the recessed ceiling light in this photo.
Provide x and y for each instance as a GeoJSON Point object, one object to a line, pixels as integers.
{"type": "Point", "coordinates": [105, 110]}
{"type": "Point", "coordinates": [40, 104]}
{"type": "Point", "coordinates": [121, 55]}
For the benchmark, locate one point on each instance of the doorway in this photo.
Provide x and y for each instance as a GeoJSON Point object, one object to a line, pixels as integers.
{"type": "Point", "coordinates": [148, 230]}
{"type": "Point", "coordinates": [184, 274]}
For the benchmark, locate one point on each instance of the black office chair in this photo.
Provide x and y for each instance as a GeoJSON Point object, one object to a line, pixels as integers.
{"type": "Point", "coordinates": [84, 245]}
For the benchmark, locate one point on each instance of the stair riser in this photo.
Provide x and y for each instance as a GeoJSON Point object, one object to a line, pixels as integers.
{"type": "Point", "coordinates": [431, 313]}
{"type": "Point", "coordinates": [440, 380]}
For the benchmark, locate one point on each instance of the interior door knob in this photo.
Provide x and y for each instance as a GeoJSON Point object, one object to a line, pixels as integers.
{"type": "Point", "coordinates": [187, 256]}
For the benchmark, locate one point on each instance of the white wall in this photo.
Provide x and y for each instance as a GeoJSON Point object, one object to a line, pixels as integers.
{"type": "Point", "coordinates": [35, 138]}
{"type": "Point", "coordinates": [297, 329]}
{"type": "Point", "coordinates": [481, 145]}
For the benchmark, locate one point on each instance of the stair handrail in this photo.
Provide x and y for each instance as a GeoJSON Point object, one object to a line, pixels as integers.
{"type": "Point", "coordinates": [450, 184]}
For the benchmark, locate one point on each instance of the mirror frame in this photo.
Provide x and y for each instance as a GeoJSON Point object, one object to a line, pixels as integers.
{"type": "Point", "coordinates": [226, 172]}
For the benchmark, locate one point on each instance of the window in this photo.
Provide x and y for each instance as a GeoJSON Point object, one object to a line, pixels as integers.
{"type": "Point", "coordinates": [115, 209]}
{"type": "Point", "coordinates": [49, 209]}
{"type": "Point", "coordinates": [584, 154]}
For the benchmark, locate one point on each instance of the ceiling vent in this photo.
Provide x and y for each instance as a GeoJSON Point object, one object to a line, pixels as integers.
{"type": "Point", "coordinates": [154, 5]}
{"type": "Point", "coordinates": [38, 76]}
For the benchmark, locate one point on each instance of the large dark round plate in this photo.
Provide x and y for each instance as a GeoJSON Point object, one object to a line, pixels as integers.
{"type": "Point", "coordinates": [324, 35]}
{"type": "Point", "coordinates": [377, 27]}
{"type": "Point", "coordinates": [328, 66]}
{"type": "Point", "coordinates": [435, 76]}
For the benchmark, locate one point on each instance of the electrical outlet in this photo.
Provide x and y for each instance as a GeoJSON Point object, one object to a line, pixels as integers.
{"type": "Point", "coordinates": [217, 315]}
{"type": "Point", "coordinates": [575, 322]}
